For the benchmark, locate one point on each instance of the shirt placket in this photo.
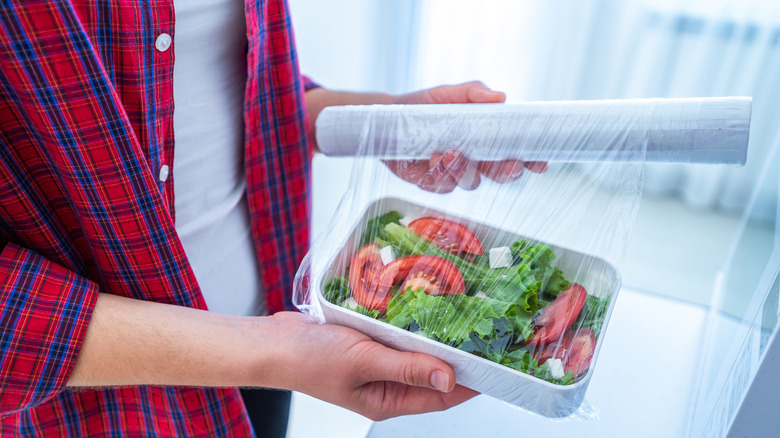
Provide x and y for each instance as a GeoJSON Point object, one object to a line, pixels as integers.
{"type": "Point", "coordinates": [161, 47]}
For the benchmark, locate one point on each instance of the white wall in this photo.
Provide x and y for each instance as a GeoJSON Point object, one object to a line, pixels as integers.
{"type": "Point", "coordinates": [335, 42]}
{"type": "Point", "coordinates": [335, 39]}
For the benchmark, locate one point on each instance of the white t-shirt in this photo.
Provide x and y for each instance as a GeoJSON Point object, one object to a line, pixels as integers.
{"type": "Point", "coordinates": [212, 214]}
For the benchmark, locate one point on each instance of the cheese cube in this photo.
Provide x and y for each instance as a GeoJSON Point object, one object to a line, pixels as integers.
{"type": "Point", "coordinates": [500, 257]}
{"type": "Point", "coordinates": [407, 219]}
{"type": "Point", "coordinates": [386, 254]}
{"type": "Point", "coordinates": [556, 367]}
{"type": "Point", "coordinates": [350, 303]}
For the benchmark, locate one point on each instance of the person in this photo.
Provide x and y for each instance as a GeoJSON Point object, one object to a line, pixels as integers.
{"type": "Point", "coordinates": [104, 323]}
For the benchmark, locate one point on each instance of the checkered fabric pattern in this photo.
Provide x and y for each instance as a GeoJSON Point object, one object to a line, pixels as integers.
{"type": "Point", "coordinates": [86, 123]}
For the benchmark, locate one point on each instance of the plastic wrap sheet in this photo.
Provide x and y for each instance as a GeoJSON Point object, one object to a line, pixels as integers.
{"type": "Point", "coordinates": [511, 284]}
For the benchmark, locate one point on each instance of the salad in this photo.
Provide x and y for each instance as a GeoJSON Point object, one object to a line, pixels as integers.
{"type": "Point", "coordinates": [510, 304]}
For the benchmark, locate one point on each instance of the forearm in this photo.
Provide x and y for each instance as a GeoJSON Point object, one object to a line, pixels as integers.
{"type": "Point", "coordinates": [319, 98]}
{"type": "Point", "coordinates": [134, 342]}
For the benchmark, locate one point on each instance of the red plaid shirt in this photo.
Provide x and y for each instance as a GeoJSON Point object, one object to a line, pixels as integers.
{"type": "Point", "coordinates": [86, 123]}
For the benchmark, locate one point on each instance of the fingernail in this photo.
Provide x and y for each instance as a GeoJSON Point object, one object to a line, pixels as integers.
{"type": "Point", "coordinates": [496, 95]}
{"type": "Point", "coordinates": [512, 168]}
{"type": "Point", "coordinates": [440, 381]}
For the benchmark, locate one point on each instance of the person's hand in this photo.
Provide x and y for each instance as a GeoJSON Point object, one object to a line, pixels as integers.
{"type": "Point", "coordinates": [347, 368]}
{"type": "Point", "coordinates": [443, 172]}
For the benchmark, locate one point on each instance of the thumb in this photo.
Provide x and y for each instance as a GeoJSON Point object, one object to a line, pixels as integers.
{"type": "Point", "coordinates": [414, 369]}
{"type": "Point", "coordinates": [467, 92]}
{"type": "Point", "coordinates": [478, 92]}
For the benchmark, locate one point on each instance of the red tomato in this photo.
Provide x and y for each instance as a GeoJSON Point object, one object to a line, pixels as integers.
{"type": "Point", "coordinates": [363, 270]}
{"type": "Point", "coordinates": [581, 350]}
{"type": "Point", "coordinates": [433, 274]}
{"type": "Point", "coordinates": [450, 236]}
{"type": "Point", "coordinates": [575, 351]}
{"type": "Point", "coordinates": [558, 315]}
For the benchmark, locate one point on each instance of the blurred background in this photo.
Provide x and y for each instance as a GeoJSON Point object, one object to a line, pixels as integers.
{"type": "Point", "coordinates": [690, 215]}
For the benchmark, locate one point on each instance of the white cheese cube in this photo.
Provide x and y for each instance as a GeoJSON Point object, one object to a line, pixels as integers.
{"type": "Point", "coordinates": [500, 257]}
{"type": "Point", "coordinates": [556, 368]}
{"type": "Point", "coordinates": [406, 220]}
{"type": "Point", "coordinates": [350, 303]}
{"type": "Point", "coordinates": [386, 254]}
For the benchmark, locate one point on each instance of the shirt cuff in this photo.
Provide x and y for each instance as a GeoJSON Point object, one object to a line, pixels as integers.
{"type": "Point", "coordinates": [45, 310]}
{"type": "Point", "coordinates": [309, 84]}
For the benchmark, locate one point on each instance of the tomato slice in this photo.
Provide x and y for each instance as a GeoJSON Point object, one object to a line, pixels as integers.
{"type": "Point", "coordinates": [575, 351]}
{"type": "Point", "coordinates": [450, 236]}
{"type": "Point", "coordinates": [559, 315]}
{"type": "Point", "coordinates": [371, 280]}
{"type": "Point", "coordinates": [581, 349]}
{"type": "Point", "coordinates": [435, 275]}
{"type": "Point", "coordinates": [363, 270]}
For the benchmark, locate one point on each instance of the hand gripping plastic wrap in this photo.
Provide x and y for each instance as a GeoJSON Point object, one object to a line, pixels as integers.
{"type": "Point", "coordinates": [446, 244]}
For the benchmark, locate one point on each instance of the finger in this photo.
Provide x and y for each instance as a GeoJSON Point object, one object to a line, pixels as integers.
{"type": "Point", "coordinates": [470, 179]}
{"type": "Point", "coordinates": [410, 170]}
{"type": "Point", "coordinates": [445, 400]}
{"type": "Point", "coordinates": [438, 178]}
{"type": "Point", "coordinates": [468, 92]}
{"type": "Point", "coordinates": [414, 369]}
{"type": "Point", "coordinates": [401, 399]}
{"type": "Point", "coordinates": [461, 169]}
{"type": "Point", "coordinates": [464, 171]}
{"type": "Point", "coordinates": [419, 172]}
{"type": "Point", "coordinates": [437, 182]}
{"type": "Point", "coordinates": [502, 171]}
{"type": "Point", "coordinates": [452, 162]}
{"type": "Point", "coordinates": [536, 166]}
{"type": "Point", "coordinates": [482, 94]}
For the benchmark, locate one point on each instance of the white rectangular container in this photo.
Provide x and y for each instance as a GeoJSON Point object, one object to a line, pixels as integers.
{"type": "Point", "coordinates": [598, 276]}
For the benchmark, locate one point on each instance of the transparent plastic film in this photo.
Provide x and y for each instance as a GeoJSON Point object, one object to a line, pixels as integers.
{"type": "Point", "coordinates": [507, 270]}
{"type": "Point", "coordinates": [686, 130]}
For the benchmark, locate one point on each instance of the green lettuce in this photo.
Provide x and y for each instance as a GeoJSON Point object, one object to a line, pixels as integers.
{"type": "Point", "coordinates": [375, 228]}
{"type": "Point", "coordinates": [337, 290]}
{"type": "Point", "coordinates": [453, 318]}
{"type": "Point", "coordinates": [593, 314]}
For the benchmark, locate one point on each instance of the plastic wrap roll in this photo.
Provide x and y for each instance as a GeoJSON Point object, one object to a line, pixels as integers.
{"type": "Point", "coordinates": [699, 130]}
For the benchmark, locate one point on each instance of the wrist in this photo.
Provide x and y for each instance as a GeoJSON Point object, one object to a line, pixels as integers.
{"type": "Point", "coordinates": [260, 359]}
{"type": "Point", "coordinates": [276, 343]}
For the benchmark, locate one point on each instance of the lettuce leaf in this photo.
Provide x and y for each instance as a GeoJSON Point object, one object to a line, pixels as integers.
{"type": "Point", "coordinates": [375, 228]}
{"type": "Point", "coordinates": [593, 314]}
{"type": "Point", "coordinates": [337, 290]}
{"type": "Point", "coordinates": [364, 311]}
{"type": "Point", "coordinates": [452, 319]}
{"type": "Point", "coordinates": [556, 283]}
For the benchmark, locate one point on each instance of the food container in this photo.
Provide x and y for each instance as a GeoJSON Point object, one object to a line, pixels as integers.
{"type": "Point", "coordinates": [598, 276]}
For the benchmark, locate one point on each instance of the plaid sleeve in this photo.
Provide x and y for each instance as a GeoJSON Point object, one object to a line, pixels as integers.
{"type": "Point", "coordinates": [45, 310]}
{"type": "Point", "coordinates": [309, 84]}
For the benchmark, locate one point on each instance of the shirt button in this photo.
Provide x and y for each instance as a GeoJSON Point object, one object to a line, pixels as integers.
{"type": "Point", "coordinates": [164, 171]}
{"type": "Point", "coordinates": [163, 42]}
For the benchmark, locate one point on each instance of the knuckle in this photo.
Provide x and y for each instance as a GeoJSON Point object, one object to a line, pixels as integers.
{"type": "Point", "coordinates": [411, 372]}
{"type": "Point", "coordinates": [366, 360]}
{"type": "Point", "coordinates": [377, 416]}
